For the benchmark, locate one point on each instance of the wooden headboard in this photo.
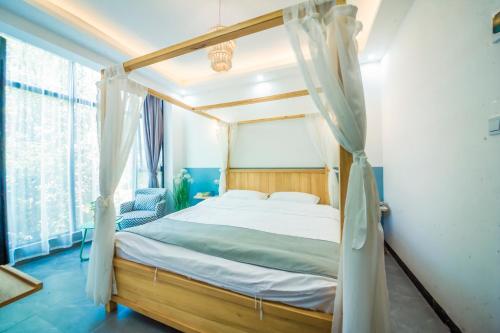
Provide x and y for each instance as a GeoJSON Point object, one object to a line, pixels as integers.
{"type": "Point", "coordinates": [314, 181]}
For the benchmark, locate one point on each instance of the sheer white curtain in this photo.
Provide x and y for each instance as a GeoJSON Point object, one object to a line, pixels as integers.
{"type": "Point", "coordinates": [48, 156]}
{"type": "Point", "coordinates": [226, 138]}
{"type": "Point", "coordinates": [119, 109]}
{"type": "Point", "coordinates": [37, 143]}
{"type": "Point", "coordinates": [327, 149]}
{"type": "Point", "coordinates": [323, 39]}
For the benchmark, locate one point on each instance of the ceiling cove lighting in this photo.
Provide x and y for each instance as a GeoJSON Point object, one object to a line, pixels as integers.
{"type": "Point", "coordinates": [221, 55]}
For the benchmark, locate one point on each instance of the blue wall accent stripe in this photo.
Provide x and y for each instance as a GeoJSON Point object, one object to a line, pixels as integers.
{"type": "Point", "coordinates": [205, 180]}
{"type": "Point", "coordinates": [379, 178]}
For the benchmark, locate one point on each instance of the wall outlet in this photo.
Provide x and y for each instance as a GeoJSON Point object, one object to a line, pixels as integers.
{"type": "Point", "coordinates": [494, 125]}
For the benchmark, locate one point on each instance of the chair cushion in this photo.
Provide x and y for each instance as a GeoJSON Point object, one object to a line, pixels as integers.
{"type": "Point", "coordinates": [135, 218]}
{"type": "Point", "coordinates": [138, 214]}
{"type": "Point", "coordinates": [146, 201]}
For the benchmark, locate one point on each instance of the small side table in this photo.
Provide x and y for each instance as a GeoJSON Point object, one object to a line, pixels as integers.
{"type": "Point", "coordinates": [85, 230]}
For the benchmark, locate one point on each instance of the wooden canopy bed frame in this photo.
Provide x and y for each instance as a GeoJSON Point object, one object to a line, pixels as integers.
{"type": "Point", "coordinates": [193, 306]}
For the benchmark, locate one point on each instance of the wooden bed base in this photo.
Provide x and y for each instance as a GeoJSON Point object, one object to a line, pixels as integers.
{"type": "Point", "coordinates": [192, 306]}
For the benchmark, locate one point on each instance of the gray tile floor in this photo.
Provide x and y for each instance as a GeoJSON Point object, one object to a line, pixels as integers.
{"type": "Point", "coordinates": [61, 306]}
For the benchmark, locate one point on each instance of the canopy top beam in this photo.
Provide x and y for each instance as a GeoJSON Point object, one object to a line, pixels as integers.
{"type": "Point", "coordinates": [241, 29]}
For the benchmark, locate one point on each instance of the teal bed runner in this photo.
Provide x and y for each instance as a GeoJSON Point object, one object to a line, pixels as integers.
{"type": "Point", "coordinates": [276, 251]}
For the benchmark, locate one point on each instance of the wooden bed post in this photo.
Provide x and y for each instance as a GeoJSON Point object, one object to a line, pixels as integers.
{"type": "Point", "coordinates": [228, 164]}
{"type": "Point", "coordinates": [111, 306]}
{"type": "Point", "coordinates": [345, 161]}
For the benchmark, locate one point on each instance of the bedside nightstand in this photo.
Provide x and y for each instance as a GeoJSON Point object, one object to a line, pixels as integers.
{"type": "Point", "coordinates": [384, 208]}
{"type": "Point", "coordinates": [203, 195]}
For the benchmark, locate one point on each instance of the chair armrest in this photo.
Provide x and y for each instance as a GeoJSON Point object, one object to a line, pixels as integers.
{"type": "Point", "coordinates": [160, 208]}
{"type": "Point", "coordinates": [126, 207]}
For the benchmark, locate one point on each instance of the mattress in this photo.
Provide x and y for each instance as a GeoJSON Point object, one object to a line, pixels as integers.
{"type": "Point", "coordinates": [296, 289]}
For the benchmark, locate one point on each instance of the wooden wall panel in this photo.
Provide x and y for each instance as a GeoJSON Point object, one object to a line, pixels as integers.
{"type": "Point", "coordinates": [314, 181]}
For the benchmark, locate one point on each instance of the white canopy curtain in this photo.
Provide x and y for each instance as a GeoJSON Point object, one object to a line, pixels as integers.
{"type": "Point", "coordinates": [323, 39]}
{"type": "Point", "coordinates": [120, 102]}
{"type": "Point", "coordinates": [226, 138]}
{"type": "Point", "coordinates": [328, 150]}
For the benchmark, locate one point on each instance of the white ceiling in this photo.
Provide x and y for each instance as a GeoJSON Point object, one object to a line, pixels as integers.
{"type": "Point", "coordinates": [136, 27]}
{"type": "Point", "coordinates": [145, 26]}
{"type": "Point", "coordinates": [119, 30]}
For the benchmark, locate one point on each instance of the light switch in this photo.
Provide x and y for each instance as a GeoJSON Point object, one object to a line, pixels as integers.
{"type": "Point", "coordinates": [494, 125]}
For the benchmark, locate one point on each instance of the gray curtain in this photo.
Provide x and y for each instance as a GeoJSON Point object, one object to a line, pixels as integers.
{"type": "Point", "coordinates": [153, 135]}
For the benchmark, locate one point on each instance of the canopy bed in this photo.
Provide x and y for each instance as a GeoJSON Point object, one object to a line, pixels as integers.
{"type": "Point", "coordinates": [322, 35]}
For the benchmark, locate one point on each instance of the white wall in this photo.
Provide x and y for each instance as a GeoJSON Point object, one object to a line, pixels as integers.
{"type": "Point", "coordinates": [272, 144]}
{"type": "Point", "coordinates": [441, 169]}
{"type": "Point", "coordinates": [371, 74]}
{"type": "Point", "coordinates": [200, 141]}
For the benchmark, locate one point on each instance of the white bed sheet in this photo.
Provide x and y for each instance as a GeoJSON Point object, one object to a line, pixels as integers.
{"type": "Point", "coordinates": [304, 220]}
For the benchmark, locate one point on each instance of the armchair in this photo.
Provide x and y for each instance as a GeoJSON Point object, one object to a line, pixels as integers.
{"type": "Point", "coordinates": [152, 206]}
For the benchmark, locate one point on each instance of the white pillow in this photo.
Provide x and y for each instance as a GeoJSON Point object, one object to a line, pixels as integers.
{"type": "Point", "coordinates": [245, 194]}
{"type": "Point", "coordinates": [300, 197]}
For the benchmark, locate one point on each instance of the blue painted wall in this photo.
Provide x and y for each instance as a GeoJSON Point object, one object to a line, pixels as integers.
{"type": "Point", "coordinates": [206, 180]}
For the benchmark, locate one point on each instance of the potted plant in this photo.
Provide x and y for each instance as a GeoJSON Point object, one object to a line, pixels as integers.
{"type": "Point", "coordinates": [182, 182]}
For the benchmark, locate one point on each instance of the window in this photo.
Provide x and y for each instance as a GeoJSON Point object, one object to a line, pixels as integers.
{"type": "Point", "coordinates": [51, 150]}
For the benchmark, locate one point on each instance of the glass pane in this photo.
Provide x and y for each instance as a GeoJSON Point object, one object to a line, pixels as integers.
{"type": "Point", "coordinates": [40, 99]}
{"type": "Point", "coordinates": [37, 68]}
{"type": "Point", "coordinates": [86, 148]}
{"type": "Point", "coordinates": [86, 157]}
{"type": "Point", "coordinates": [23, 169]}
{"type": "Point", "coordinates": [85, 84]}
{"type": "Point", "coordinates": [142, 173]}
{"type": "Point", "coordinates": [54, 165]}
{"type": "Point", "coordinates": [37, 137]}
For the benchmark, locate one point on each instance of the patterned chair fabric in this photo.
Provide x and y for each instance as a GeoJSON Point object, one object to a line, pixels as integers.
{"type": "Point", "coordinates": [132, 218]}
{"type": "Point", "coordinates": [146, 201]}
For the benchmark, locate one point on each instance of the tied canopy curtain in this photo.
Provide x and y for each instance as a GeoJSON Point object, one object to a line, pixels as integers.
{"type": "Point", "coordinates": [226, 138]}
{"type": "Point", "coordinates": [153, 136]}
{"type": "Point", "coordinates": [327, 149]}
{"type": "Point", "coordinates": [119, 106]}
{"type": "Point", "coordinates": [323, 39]}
